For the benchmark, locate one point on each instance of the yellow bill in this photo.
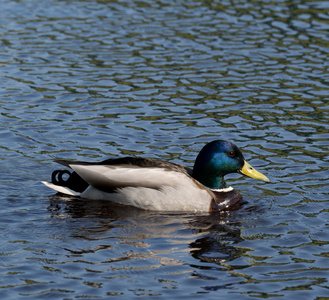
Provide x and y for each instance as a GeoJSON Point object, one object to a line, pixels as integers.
{"type": "Point", "coordinates": [249, 171]}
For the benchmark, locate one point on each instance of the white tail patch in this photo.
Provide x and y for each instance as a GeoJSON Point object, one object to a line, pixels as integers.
{"type": "Point", "coordinates": [61, 189]}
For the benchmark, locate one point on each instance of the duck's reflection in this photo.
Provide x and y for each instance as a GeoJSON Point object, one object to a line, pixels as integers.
{"type": "Point", "coordinates": [208, 238]}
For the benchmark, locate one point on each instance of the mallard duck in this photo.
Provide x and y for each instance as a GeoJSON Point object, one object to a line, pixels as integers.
{"type": "Point", "coordinates": [159, 185]}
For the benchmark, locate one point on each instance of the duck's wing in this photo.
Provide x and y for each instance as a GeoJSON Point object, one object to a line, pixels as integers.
{"type": "Point", "coordinates": [131, 161]}
{"type": "Point", "coordinates": [133, 172]}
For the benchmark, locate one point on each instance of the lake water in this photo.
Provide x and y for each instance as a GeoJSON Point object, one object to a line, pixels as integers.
{"type": "Point", "coordinates": [88, 80]}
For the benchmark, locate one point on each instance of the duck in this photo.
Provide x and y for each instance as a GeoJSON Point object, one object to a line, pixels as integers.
{"type": "Point", "coordinates": [158, 185]}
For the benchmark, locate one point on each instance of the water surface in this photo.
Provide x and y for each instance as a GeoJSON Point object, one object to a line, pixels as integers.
{"type": "Point", "coordinates": [93, 79]}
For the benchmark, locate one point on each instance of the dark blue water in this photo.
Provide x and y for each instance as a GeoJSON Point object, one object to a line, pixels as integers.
{"type": "Point", "coordinates": [93, 79]}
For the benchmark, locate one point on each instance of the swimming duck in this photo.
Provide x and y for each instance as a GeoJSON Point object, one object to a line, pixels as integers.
{"type": "Point", "coordinates": [159, 185]}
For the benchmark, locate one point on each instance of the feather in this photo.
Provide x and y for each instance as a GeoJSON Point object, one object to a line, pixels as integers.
{"type": "Point", "coordinates": [109, 177]}
{"type": "Point", "coordinates": [61, 189]}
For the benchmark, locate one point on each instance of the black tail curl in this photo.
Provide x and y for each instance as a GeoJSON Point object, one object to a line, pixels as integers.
{"type": "Point", "coordinates": [73, 182]}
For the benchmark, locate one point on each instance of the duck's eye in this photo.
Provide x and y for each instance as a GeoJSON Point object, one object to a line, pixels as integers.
{"type": "Point", "coordinates": [231, 154]}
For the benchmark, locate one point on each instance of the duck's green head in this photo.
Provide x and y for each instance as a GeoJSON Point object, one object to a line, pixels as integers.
{"type": "Point", "coordinates": [219, 158]}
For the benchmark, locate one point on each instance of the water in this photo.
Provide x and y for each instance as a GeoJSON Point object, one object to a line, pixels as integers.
{"type": "Point", "coordinates": [92, 79]}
